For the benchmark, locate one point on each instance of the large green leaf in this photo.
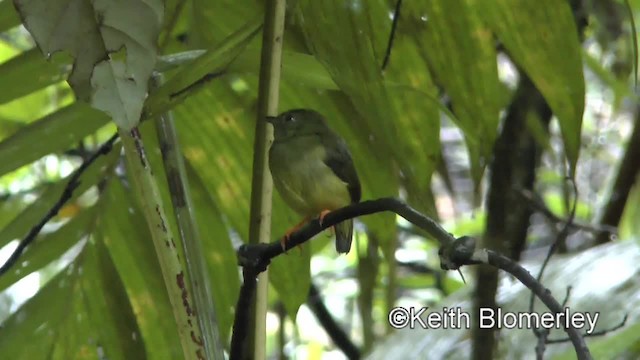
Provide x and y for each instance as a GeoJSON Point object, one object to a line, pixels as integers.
{"type": "Point", "coordinates": [461, 54]}
{"type": "Point", "coordinates": [53, 133]}
{"type": "Point", "coordinates": [541, 37]}
{"type": "Point", "coordinates": [214, 61]}
{"type": "Point", "coordinates": [219, 252]}
{"type": "Point", "coordinates": [297, 68]}
{"type": "Point", "coordinates": [28, 72]}
{"type": "Point", "coordinates": [108, 306]}
{"type": "Point", "coordinates": [214, 21]}
{"type": "Point", "coordinates": [121, 227]}
{"type": "Point", "coordinates": [113, 48]}
{"type": "Point", "coordinates": [8, 15]}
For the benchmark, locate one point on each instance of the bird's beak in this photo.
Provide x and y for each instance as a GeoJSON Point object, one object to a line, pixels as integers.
{"type": "Point", "coordinates": [271, 119]}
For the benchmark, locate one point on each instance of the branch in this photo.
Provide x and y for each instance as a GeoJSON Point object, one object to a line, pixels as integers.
{"type": "Point", "coordinates": [259, 255]}
{"type": "Point", "coordinates": [67, 194]}
{"type": "Point", "coordinates": [562, 236]}
{"type": "Point", "coordinates": [453, 253]}
{"type": "Point", "coordinates": [332, 328]}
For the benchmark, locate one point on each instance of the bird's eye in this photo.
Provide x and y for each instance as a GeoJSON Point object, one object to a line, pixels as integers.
{"type": "Point", "coordinates": [289, 118]}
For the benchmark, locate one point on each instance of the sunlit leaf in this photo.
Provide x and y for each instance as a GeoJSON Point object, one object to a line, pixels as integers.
{"type": "Point", "coordinates": [91, 313]}
{"type": "Point", "coordinates": [30, 216]}
{"type": "Point", "coordinates": [49, 247]}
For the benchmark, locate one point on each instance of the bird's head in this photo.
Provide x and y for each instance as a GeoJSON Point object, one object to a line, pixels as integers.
{"type": "Point", "coordinates": [297, 122]}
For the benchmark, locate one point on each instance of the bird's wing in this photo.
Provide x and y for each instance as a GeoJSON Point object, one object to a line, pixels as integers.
{"type": "Point", "coordinates": [338, 159]}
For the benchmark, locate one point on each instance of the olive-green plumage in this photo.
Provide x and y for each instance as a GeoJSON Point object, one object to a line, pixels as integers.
{"type": "Point", "coordinates": [312, 168]}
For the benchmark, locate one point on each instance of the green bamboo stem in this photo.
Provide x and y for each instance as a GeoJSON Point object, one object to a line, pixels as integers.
{"type": "Point", "coordinates": [262, 184]}
{"type": "Point", "coordinates": [187, 228]}
{"type": "Point", "coordinates": [146, 187]}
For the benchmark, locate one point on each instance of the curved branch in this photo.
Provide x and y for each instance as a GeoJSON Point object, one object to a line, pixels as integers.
{"type": "Point", "coordinates": [454, 253]}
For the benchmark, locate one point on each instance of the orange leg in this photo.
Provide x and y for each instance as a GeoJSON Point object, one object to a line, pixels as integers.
{"type": "Point", "coordinates": [287, 234]}
{"type": "Point", "coordinates": [324, 213]}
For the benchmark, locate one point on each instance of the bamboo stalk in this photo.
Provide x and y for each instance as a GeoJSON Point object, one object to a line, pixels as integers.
{"type": "Point", "coordinates": [262, 184]}
{"type": "Point", "coordinates": [146, 188]}
{"type": "Point", "coordinates": [199, 282]}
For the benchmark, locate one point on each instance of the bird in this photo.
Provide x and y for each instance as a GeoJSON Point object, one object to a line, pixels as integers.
{"type": "Point", "coordinates": [312, 170]}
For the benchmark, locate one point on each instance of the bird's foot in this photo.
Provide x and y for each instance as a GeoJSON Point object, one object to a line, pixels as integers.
{"type": "Point", "coordinates": [287, 234]}
{"type": "Point", "coordinates": [323, 213]}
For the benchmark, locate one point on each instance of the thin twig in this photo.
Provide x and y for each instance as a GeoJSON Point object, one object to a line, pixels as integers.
{"type": "Point", "coordinates": [562, 236]}
{"type": "Point", "coordinates": [595, 333]}
{"type": "Point", "coordinates": [392, 35]}
{"type": "Point", "coordinates": [66, 195]}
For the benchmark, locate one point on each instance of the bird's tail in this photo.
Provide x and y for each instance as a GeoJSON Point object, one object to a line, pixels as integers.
{"type": "Point", "coordinates": [344, 236]}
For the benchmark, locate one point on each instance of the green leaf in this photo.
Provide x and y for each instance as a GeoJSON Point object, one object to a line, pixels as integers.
{"type": "Point", "coordinates": [108, 308]}
{"type": "Point", "coordinates": [219, 253]}
{"type": "Point", "coordinates": [122, 228]}
{"type": "Point", "coordinates": [297, 68]}
{"type": "Point", "coordinates": [630, 221]}
{"type": "Point", "coordinates": [8, 15]}
{"type": "Point", "coordinates": [114, 48]}
{"type": "Point", "coordinates": [549, 54]}
{"type": "Point", "coordinates": [213, 61]}
{"type": "Point", "coordinates": [26, 73]}
{"type": "Point", "coordinates": [54, 132]}
{"type": "Point", "coordinates": [461, 53]}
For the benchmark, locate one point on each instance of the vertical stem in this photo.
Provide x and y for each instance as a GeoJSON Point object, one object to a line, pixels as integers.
{"type": "Point", "coordinates": [189, 234]}
{"type": "Point", "coordinates": [145, 186]}
{"type": "Point", "coordinates": [262, 184]}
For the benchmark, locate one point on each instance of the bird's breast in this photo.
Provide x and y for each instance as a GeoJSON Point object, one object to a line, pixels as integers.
{"type": "Point", "coordinates": [303, 179]}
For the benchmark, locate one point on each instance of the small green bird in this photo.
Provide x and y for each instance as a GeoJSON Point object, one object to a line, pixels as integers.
{"type": "Point", "coordinates": [312, 169]}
